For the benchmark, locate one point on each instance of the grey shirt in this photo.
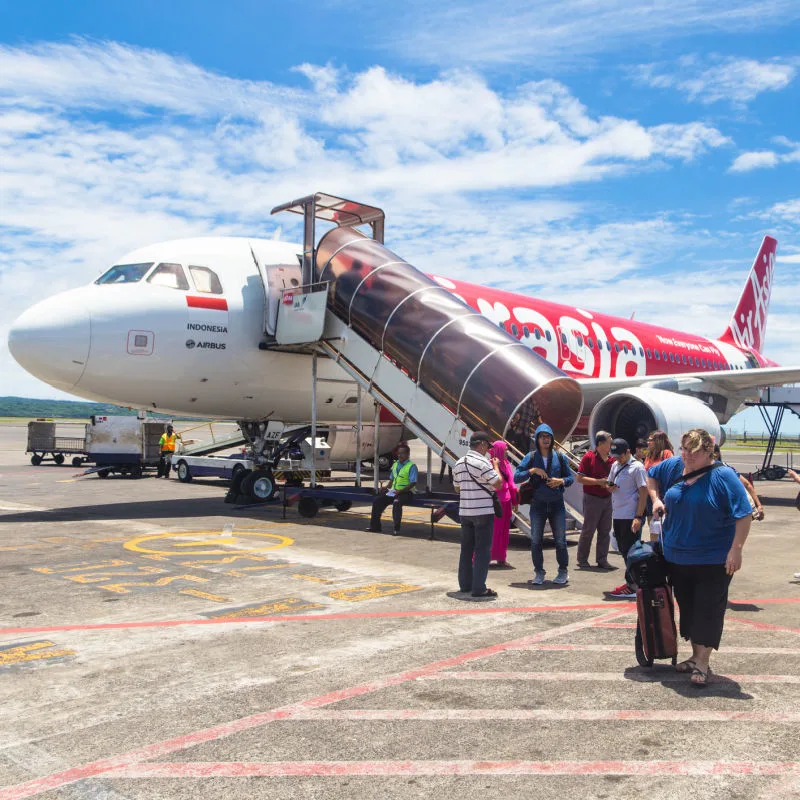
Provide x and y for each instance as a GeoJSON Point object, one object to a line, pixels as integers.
{"type": "Point", "coordinates": [629, 477]}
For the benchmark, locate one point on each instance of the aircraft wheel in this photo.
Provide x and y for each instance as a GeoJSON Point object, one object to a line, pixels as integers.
{"type": "Point", "coordinates": [184, 473]}
{"type": "Point", "coordinates": [307, 507]}
{"type": "Point", "coordinates": [259, 484]}
{"type": "Point", "coordinates": [59, 458]}
{"type": "Point", "coordinates": [385, 462]}
{"type": "Point", "coordinates": [36, 460]}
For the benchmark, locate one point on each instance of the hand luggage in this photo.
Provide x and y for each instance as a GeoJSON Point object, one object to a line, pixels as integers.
{"type": "Point", "coordinates": [656, 635]}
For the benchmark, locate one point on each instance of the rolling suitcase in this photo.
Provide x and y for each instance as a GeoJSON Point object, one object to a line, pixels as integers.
{"type": "Point", "coordinates": [656, 635]}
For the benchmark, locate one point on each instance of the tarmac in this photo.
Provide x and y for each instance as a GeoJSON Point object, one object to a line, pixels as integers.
{"type": "Point", "coordinates": [150, 650]}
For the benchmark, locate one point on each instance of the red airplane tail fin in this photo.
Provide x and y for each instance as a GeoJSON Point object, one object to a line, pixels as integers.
{"type": "Point", "coordinates": [748, 325]}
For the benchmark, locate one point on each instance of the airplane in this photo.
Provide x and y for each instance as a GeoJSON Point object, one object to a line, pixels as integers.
{"type": "Point", "coordinates": [183, 327]}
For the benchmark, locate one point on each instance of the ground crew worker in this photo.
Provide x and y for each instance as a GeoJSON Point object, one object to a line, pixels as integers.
{"type": "Point", "coordinates": [400, 490]}
{"type": "Point", "coordinates": [167, 444]}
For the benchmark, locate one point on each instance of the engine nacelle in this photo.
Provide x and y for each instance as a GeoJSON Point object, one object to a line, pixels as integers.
{"type": "Point", "coordinates": [633, 413]}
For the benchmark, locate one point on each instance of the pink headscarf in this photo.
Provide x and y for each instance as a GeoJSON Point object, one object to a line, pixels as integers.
{"type": "Point", "coordinates": [499, 451]}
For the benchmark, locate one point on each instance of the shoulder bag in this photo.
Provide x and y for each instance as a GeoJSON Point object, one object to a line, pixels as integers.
{"type": "Point", "coordinates": [496, 504]}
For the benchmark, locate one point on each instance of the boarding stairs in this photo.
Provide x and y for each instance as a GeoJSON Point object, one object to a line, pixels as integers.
{"type": "Point", "coordinates": [459, 375]}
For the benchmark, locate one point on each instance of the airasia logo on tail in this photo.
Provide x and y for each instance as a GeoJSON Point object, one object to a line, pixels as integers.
{"type": "Point", "coordinates": [749, 323]}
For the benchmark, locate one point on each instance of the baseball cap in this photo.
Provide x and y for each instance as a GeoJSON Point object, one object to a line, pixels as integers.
{"type": "Point", "coordinates": [478, 437]}
{"type": "Point", "coordinates": [619, 447]}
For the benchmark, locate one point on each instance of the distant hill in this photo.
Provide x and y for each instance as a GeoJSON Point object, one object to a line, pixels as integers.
{"type": "Point", "coordinates": [77, 409]}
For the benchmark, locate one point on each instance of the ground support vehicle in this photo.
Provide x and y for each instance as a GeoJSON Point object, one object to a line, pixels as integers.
{"type": "Point", "coordinates": [124, 445]}
{"type": "Point", "coordinates": [227, 467]}
{"type": "Point", "coordinates": [342, 498]}
{"type": "Point", "coordinates": [48, 439]}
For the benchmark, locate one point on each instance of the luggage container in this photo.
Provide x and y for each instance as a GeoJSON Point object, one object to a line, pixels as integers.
{"type": "Point", "coordinates": [126, 445]}
{"type": "Point", "coordinates": [48, 439]}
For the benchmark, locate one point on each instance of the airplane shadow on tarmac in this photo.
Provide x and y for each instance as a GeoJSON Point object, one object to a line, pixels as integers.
{"type": "Point", "coordinates": [718, 686]}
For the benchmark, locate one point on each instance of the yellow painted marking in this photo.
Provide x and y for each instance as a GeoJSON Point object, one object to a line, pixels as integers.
{"type": "Point", "coordinates": [67, 480]}
{"type": "Point", "coordinates": [84, 567]}
{"type": "Point", "coordinates": [112, 539]}
{"type": "Point", "coordinates": [268, 609]}
{"type": "Point", "coordinates": [244, 541]}
{"type": "Point", "coordinates": [120, 588]}
{"type": "Point", "coordinates": [156, 558]}
{"type": "Point", "coordinates": [310, 578]}
{"type": "Point", "coordinates": [373, 590]}
{"type": "Point", "coordinates": [226, 560]}
{"type": "Point", "coordinates": [57, 539]}
{"type": "Point", "coordinates": [241, 572]}
{"type": "Point", "coordinates": [7, 547]}
{"type": "Point", "coordinates": [35, 651]}
{"type": "Point", "coordinates": [215, 598]}
{"type": "Point", "coordinates": [101, 577]}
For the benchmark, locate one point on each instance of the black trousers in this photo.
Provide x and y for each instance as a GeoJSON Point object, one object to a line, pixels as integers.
{"type": "Point", "coordinates": [382, 502]}
{"type": "Point", "coordinates": [701, 591]}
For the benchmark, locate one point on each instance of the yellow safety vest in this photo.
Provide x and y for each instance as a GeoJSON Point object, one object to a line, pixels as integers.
{"type": "Point", "coordinates": [400, 476]}
{"type": "Point", "coordinates": [167, 442]}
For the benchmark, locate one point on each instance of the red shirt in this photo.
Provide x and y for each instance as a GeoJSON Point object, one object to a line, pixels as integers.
{"type": "Point", "coordinates": [593, 466]}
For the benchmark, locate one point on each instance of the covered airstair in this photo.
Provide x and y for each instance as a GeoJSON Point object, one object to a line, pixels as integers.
{"type": "Point", "coordinates": [437, 365]}
{"type": "Point", "coordinates": [773, 404]}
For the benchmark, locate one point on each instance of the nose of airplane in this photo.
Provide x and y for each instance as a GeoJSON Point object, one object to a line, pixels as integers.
{"type": "Point", "coordinates": [51, 339]}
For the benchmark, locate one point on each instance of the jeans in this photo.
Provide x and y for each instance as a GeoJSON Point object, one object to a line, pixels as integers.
{"type": "Point", "coordinates": [554, 512]}
{"type": "Point", "coordinates": [476, 547]}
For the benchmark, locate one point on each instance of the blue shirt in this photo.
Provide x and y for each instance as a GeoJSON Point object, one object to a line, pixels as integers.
{"type": "Point", "coordinates": [700, 523]}
{"type": "Point", "coordinates": [541, 491]}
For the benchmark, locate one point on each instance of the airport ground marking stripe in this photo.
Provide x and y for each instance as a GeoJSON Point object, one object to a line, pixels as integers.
{"type": "Point", "coordinates": [626, 648]}
{"type": "Point", "coordinates": [764, 626]}
{"type": "Point", "coordinates": [215, 598]}
{"type": "Point", "coordinates": [431, 612]}
{"type": "Point", "coordinates": [543, 714]}
{"type": "Point", "coordinates": [108, 766]}
{"type": "Point", "coordinates": [238, 769]}
{"type": "Point", "coordinates": [617, 625]}
{"type": "Point", "coordinates": [30, 651]}
{"type": "Point", "coordinates": [667, 675]}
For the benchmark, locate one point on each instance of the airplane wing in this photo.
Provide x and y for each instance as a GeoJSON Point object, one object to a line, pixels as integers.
{"type": "Point", "coordinates": [727, 382]}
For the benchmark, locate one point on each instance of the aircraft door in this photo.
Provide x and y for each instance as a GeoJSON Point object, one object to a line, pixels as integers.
{"type": "Point", "coordinates": [279, 277]}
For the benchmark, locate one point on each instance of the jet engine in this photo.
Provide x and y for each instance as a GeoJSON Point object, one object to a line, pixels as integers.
{"type": "Point", "coordinates": [633, 413]}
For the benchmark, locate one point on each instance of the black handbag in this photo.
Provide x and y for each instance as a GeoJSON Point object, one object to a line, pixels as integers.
{"type": "Point", "coordinates": [496, 504]}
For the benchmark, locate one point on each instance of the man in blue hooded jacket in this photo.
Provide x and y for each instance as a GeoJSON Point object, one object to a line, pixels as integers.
{"type": "Point", "coordinates": [549, 474]}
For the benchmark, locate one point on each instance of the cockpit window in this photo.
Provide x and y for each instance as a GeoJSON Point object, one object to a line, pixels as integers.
{"type": "Point", "coordinates": [170, 275]}
{"type": "Point", "coordinates": [205, 280]}
{"type": "Point", "coordinates": [125, 273]}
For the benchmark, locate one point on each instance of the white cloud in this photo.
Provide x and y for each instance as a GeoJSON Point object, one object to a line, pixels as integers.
{"type": "Point", "coordinates": [738, 80]}
{"type": "Point", "coordinates": [539, 33]}
{"type": "Point", "coordinates": [759, 159]}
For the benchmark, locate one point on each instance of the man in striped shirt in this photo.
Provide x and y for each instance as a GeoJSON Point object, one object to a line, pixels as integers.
{"type": "Point", "coordinates": [475, 478]}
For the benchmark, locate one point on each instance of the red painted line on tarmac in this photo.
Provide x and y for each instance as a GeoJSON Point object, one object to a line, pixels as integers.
{"type": "Point", "coordinates": [547, 714]}
{"type": "Point", "coordinates": [111, 766]}
{"type": "Point", "coordinates": [238, 769]}
{"type": "Point", "coordinates": [764, 626]}
{"type": "Point", "coordinates": [626, 648]}
{"type": "Point", "coordinates": [626, 625]}
{"type": "Point", "coordinates": [603, 677]}
{"type": "Point", "coordinates": [435, 612]}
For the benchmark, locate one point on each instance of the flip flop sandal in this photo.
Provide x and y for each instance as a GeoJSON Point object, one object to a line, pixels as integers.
{"type": "Point", "coordinates": [685, 667]}
{"type": "Point", "coordinates": [701, 684]}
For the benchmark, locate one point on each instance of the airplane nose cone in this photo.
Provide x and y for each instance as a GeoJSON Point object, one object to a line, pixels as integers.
{"type": "Point", "coordinates": [51, 339]}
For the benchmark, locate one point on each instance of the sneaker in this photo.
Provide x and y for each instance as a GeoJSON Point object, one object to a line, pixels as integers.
{"type": "Point", "coordinates": [623, 591]}
{"type": "Point", "coordinates": [562, 577]}
{"type": "Point", "coordinates": [537, 579]}
{"type": "Point", "coordinates": [797, 574]}
{"type": "Point", "coordinates": [396, 532]}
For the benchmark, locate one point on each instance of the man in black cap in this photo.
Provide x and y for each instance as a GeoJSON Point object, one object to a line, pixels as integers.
{"type": "Point", "coordinates": [627, 483]}
{"type": "Point", "coordinates": [475, 478]}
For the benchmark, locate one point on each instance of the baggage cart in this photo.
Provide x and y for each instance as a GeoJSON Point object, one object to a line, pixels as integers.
{"type": "Point", "coordinates": [51, 440]}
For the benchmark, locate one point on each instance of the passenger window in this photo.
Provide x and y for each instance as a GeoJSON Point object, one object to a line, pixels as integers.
{"type": "Point", "coordinates": [525, 332]}
{"type": "Point", "coordinates": [608, 345]}
{"type": "Point", "coordinates": [671, 358]}
{"type": "Point", "coordinates": [590, 342]}
{"type": "Point", "coordinates": [205, 280]}
{"type": "Point", "coordinates": [548, 336]}
{"type": "Point", "coordinates": [536, 333]}
{"type": "Point", "coordinates": [649, 354]}
{"type": "Point", "coordinates": [684, 359]}
{"type": "Point", "coordinates": [169, 275]}
{"type": "Point", "coordinates": [124, 273]}
{"type": "Point", "coordinates": [641, 353]}
{"type": "Point", "coordinates": [657, 354]}
{"type": "Point", "coordinates": [514, 329]}
{"type": "Point", "coordinates": [616, 346]}
{"type": "Point", "coordinates": [580, 339]}
{"type": "Point", "coordinates": [563, 337]}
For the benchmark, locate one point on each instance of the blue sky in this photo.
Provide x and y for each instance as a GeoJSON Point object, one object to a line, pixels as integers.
{"type": "Point", "coordinates": [623, 156]}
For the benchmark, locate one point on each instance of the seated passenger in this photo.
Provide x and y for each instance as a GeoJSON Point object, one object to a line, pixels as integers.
{"type": "Point", "coordinates": [400, 490]}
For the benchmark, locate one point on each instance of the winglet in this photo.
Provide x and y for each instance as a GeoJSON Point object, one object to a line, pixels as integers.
{"type": "Point", "coordinates": [748, 325]}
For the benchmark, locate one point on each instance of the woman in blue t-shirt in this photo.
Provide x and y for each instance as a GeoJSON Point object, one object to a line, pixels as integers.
{"type": "Point", "coordinates": [706, 521]}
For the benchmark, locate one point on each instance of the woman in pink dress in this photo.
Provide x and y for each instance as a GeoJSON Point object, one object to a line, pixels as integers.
{"type": "Point", "coordinates": [509, 497]}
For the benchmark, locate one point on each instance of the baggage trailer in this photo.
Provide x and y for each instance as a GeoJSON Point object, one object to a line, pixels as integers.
{"type": "Point", "coordinates": [125, 445]}
{"type": "Point", "coordinates": [50, 440]}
